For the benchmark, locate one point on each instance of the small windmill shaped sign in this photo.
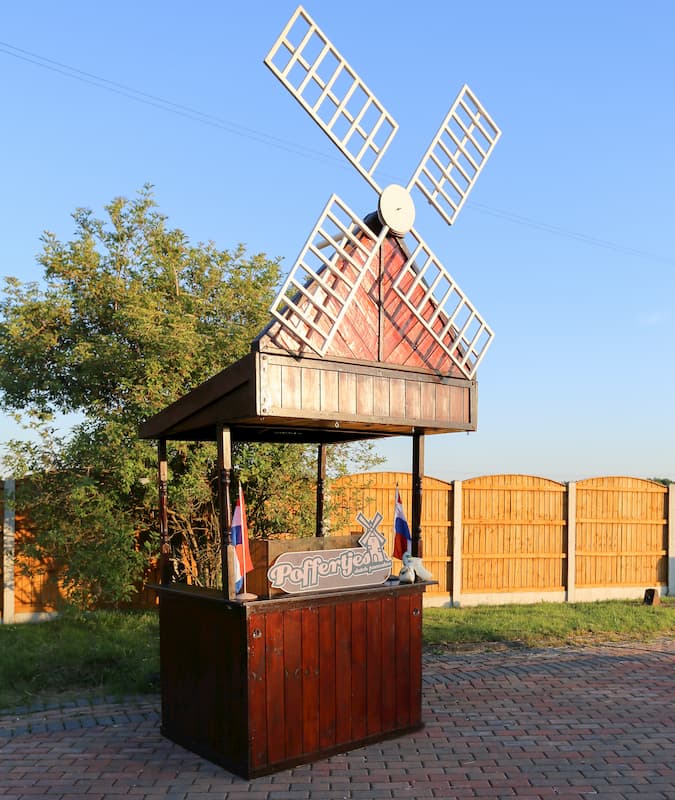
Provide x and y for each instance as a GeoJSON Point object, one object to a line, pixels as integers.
{"type": "Point", "coordinates": [344, 568]}
{"type": "Point", "coordinates": [341, 248]}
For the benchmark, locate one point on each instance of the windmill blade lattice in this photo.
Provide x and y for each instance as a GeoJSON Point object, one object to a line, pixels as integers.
{"type": "Point", "coordinates": [451, 165]}
{"type": "Point", "coordinates": [321, 285]}
{"type": "Point", "coordinates": [441, 306]}
{"type": "Point", "coordinates": [331, 92]}
{"type": "Point", "coordinates": [326, 276]}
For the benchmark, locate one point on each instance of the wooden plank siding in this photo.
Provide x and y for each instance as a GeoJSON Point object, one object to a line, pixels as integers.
{"type": "Point", "coordinates": [622, 533]}
{"type": "Point", "coordinates": [310, 389]}
{"type": "Point", "coordinates": [371, 492]}
{"type": "Point", "coordinates": [513, 530]}
{"type": "Point", "coordinates": [514, 533]}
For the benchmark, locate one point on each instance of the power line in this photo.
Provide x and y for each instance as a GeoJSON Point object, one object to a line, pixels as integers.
{"type": "Point", "coordinates": [580, 237]}
{"type": "Point", "coordinates": [291, 147]}
{"type": "Point", "coordinates": [161, 103]}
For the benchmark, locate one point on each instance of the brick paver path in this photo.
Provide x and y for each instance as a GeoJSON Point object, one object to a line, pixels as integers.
{"type": "Point", "coordinates": [592, 722]}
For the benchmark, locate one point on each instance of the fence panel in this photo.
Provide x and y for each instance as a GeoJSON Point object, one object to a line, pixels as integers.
{"type": "Point", "coordinates": [373, 492]}
{"type": "Point", "coordinates": [514, 534]}
{"type": "Point", "coordinates": [622, 533]}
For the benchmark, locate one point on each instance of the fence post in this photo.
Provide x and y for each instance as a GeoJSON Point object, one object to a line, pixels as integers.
{"type": "Point", "coordinates": [456, 543]}
{"type": "Point", "coordinates": [671, 539]}
{"type": "Point", "coordinates": [8, 538]}
{"type": "Point", "coordinates": [571, 541]}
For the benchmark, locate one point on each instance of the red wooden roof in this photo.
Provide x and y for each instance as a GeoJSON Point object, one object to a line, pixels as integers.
{"type": "Point", "coordinates": [378, 326]}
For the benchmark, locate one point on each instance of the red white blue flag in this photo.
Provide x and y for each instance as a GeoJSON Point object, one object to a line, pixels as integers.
{"type": "Point", "coordinates": [239, 537]}
{"type": "Point", "coordinates": [402, 537]}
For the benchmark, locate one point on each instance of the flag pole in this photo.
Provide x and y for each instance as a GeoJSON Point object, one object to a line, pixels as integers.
{"type": "Point", "coordinates": [244, 594]}
{"type": "Point", "coordinates": [244, 532]}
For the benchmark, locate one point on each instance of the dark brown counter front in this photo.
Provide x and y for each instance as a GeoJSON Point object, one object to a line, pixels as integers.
{"type": "Point", "coordinates": [261, 686]}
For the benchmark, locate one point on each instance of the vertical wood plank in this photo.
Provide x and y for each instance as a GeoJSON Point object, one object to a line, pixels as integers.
{"type": "Point", "coordinates": [8, 541]}
{"type": "Point", "coordinates": [402, 662]}
{"type": "Point", "coordinates": [375, 667]}
{"type": "Point", "coordinates": [415, 696]}
{"type": "Point", "coordinates": [310, 391]}
{"type": "Point", "coordinates": [457, 540]}
{"type": "Point", "coordinates": [310, 680]}
{"type": "Point", "coordinates": [347, 392]}
{"type": "Point", "coordinates": [571, 578]}
{"type": "Point", "coordinates": [257, 690]}
{"type": "Point", "coordinates": [327, 682]}
{"type": "Point", "coordinates": [329, 391]}
{"type": "Point", "coordinates": [274, 689]}
{"type": "Point", "coordinates": [293, 699]}
{"type": "Point", "coordinates": [365, 395]}
{"type": "Point", "coordinates": [343, 673]}
{"type": "Point", "coordinates": [387, 681]}
{"type": "Point", "coordinates": [359, 706]}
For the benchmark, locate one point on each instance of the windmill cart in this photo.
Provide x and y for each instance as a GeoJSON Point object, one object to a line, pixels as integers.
{"type": "Point", "coordinates": [370, 337]}
{"type": "Point", "coordinates": [260, 685]}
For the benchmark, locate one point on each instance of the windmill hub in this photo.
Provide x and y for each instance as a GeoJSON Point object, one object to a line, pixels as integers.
{"type": "Point", "coordinates": [396, 209]}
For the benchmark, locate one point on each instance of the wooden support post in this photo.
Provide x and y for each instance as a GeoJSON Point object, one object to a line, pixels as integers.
{"type": "Point", "coordinates": [320, 489]}
{"type": "Point", "coordinates": [571, 541]}
{"type": "Point", "coordinates": [225, 510]}
{"type": "Point", "coordinates": [8, 540]}
{"type": "Point", "coordinates": [457, 543]}
{"type": "Point", "coordinates": [417, 475]}
{"type": "Point", "coordinates": [165, 571]}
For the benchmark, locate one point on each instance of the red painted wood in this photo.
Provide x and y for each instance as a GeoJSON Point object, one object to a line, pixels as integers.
{"type": "Point", "coordinates": [275, 700]}
{"type": "Point", "coordinates": [402, 661]}
{"type": "Point", "coordinates": [359, 707]}
{"type": "Point", "coordinates": [374, 667]}
{"type": "Point", "coordinates": [263, 686]}
{"type": "Point", "coordinates": [388, 680]}
{"type": "Point", "coordinates": [327, 688]}
{"type": "Point", "coordinates": [415, 702]}
{"type": "Point", "coordinates": [310, 680]}
{"type": "Point", "coordinates": [343, 673]}
{"type": "Point", "coordinates": [257, 690]}
{"type": "Point", "coordinates": [293, 699]}
{"type": "Point", "coordinates": [404, 340]}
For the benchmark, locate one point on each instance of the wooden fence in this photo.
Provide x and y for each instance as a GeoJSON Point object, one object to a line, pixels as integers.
{"type": "Point", "coordinates": [493, 539]}
{"type": "Point", "coordinates": [29, 587]}
{"type": "Point", "coordinates": [521, 538]}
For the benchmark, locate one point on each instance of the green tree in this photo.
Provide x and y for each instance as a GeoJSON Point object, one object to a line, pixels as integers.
{"type": "Point", "coordinates": [130, 316]}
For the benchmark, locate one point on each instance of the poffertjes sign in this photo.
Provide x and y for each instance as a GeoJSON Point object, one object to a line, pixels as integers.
{"type": "Point", "coordinates": [347, 568]}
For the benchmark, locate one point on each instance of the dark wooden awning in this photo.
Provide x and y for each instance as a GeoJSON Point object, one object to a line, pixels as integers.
{"type": "Point", "coordinates": [285, 398]}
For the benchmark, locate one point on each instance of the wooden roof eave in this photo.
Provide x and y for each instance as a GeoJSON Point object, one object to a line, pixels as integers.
{"type": "Point", "coordinates": [239, 398]}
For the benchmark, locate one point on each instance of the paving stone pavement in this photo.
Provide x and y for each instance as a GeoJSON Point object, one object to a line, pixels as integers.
{"type": "Point", "coordinates": [500, 722]}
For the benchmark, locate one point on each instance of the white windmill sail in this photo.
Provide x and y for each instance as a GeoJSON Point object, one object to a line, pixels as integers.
{"type": "Point", "coordinates": [325, 278]}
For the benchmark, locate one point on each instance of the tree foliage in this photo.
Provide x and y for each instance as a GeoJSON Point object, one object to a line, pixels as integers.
{"type": "Point", "coordinates": [131, 315]}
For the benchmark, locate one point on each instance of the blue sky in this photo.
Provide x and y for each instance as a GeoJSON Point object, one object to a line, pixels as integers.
{"type": "Point", "coordinates": [566, 245]}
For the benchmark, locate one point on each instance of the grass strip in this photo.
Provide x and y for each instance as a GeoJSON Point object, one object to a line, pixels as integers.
{"type": "Point", "coordinates": [550, 623]}
{"type": "Point", "coordinates": [99, 653]}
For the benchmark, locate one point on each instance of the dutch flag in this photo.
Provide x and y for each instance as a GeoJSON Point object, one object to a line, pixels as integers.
{"type": "Point", "coordinates": [402, 537]}
{"type": "Point", "coordinates": [239, 538]}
